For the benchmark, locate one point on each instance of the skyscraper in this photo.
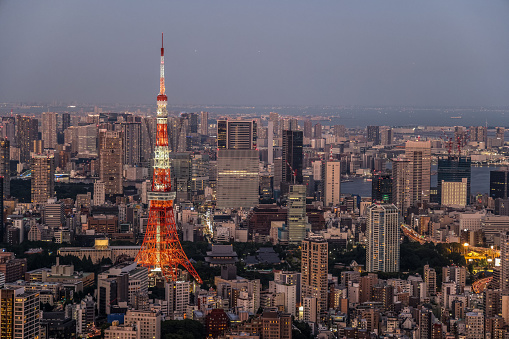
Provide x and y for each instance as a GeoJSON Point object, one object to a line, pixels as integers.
{"type": "Point", "coordinates": [5, 166]}
{"type": "Point", "coordinates": [419, 155]}
{"type": "Point", "coordinates": [87, 139]}
{"type": "Point", "coordinates": [66, 121]}
{"type": "Point", "coordinates": [499, 182]}
{"type": "Point", "coordinates": [292, 159]}
{"type": "Point", "coordinates": [454, 169]}
{"type": "Point", "coordinates": [99, 193]}
{"type": "Point", "coordinates": [49, 129]}
{"type": "Point", "coordinates": [331, 183]}
{"type": "Point", "coordinates": [274, 117]}
{"type": "Point", "coordinates": [386, 137]}
{"type": "Point", "coordinates": [314, 269]}
{"type": "Point", "coordinates": [148, 127]}
{"type": "Point", "coordinates": [373, 134]}
{"type": "Point", "coordinates": [401, 184]}
{"type": "Point", "coordinates": [110, 160]}
{"type": "Point", "coordinates": [504, 261]}
{"type": "Point", "coordinates": [478, 133]}
{"type": "Point", "coordinates": [270, 142]}
{"type": "Point", "coordinates": [178, 128]}
{"type": "Point", "coordinates": [499, 133]}
{"type": "Point", "coordinates": [43, 177]}
{"type": "Point", "coordinates": [236, 134]}
{"type": "Point", "coordinates": [132, 143]}
{"type": "Point", "coordinates": [382, 233]}
{"type": "Point", "coordinates": [27, 132]}
{"type": "Point", "coordinates": [317, 131]}
{"type": "Point", "coordinates": [308, 129]}
{"type": "Point", "coordinates": [204, 123]}
{"type": "Point", "coordinates": [381, 188]}
{"type": "Point", "coordinates": [237, 162]}
{"type": "Point", "coordinates": [297, 220]}
{"type": "Point", "coordinates": [430, 279]}
{"type": "Point", "coordinates": [20, 314]}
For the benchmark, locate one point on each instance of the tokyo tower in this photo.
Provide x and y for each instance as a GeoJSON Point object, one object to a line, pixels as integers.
{"type": "Point", "coordinates": [161, 249]}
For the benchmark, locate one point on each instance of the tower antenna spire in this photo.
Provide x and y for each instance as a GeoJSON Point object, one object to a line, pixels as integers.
{"type": "Point", "coordinates": [162, 94]}
{"type": "Point", "coordinates": [161, 250]}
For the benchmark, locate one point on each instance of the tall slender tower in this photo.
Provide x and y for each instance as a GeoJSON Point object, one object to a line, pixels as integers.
{"type": "Point", "coordinates": [161, 249]}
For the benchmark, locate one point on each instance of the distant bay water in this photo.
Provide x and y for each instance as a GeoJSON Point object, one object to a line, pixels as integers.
{"type": "Point", "coordinates": [480, 182]}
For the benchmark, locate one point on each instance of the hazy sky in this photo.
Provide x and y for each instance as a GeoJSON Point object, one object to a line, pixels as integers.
{"type": "Point", "coordinates": [253, 52]}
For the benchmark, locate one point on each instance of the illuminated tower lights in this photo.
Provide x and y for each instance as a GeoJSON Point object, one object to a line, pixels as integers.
{"type": "Point", "coordinates": [161, 249]}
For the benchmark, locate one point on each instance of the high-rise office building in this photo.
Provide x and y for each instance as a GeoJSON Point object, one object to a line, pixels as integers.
{"type": "Point", "coordinates": [236, 134]}
{"type": "Point", "coordinates": [430, 279]}
{"type": "Point", "coordinates": [454, 193]}
{"type": "Point", "coordinates": [297, 221]}
{"type": "Point", "coordinates": [110, 160]}
{"type": "Point", "coordinates": [478, 133]}
{"type": "Point", "coordinates": [314, 269]}
{"type": "Point", "coordinates": [331, 178]}
{"type": "Point", "coordinates": [499, 182]}
{"type": "Point", "coordinates": [382, 233]}
{"type": "Point", "coordinates": [49, 129]}
{"type": "Point", "coordinates": [99, 193]}
{"type": "Point", "coordinates": [504, 261]}
{"type": "Point", "coordinates": [178, 129]}
{"type": "Point", "coordinates": [419, 155]}
{"type": "Point", "coordinates": [317, 131]}
{"type": "Point", "coordinates": [274, 117]}
{"type": "Point", "coordinates": [5, 166]}
{"type": "Point", "coordinates": [87, 139]}
{"type": "Point", "coordinates": [66, 121]}
{"type": "Point", "coordinates": [401, 184]}
{"type": "Point", "coordinates": [381, 188]}
{"type": "Point", "coordinates": [204, 123]}
{"type": "Point", "coordinates": [270, 143]}
{"type": "Point", "coordinates": [308, 129]}
{"type": "Point", "coordinates": [132, 143]}
{"type": "Point", "coordinates": [192, 119]}
{"type": "Point", "coordinates": [19, 314]}
{"type": "Point", "coordinates": [292, 159]}
{"type": "Point", "coordinates": [181, 172]}
{"type": "Point", "coordinates": [386, 137]}
{"type": "Point", "coordinates": [148, 127]}
{"type": "Point", "coordinates": [42, 178]}
{"type": "Point", "coordinates": [339, 131]}
{"type": "Point", "coordinates": [373, 134]}
{"type": "Point", "coordinates": [499, 133]}
{"type": "Point", "coordinates": [27, 132]}
{"type": "Point", "coordinates": [454, 169]}
{"type": "Point", "coordinates": [8, 129]}
{"type": "Point", "coordinates": [237, 164]}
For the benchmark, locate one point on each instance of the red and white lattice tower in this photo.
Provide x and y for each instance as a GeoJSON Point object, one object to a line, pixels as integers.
{"type": "Point", "coordinates": [161, 249]}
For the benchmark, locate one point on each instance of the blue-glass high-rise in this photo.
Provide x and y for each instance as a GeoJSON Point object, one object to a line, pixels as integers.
{"type": "Point", "coordinates": [454, 169]}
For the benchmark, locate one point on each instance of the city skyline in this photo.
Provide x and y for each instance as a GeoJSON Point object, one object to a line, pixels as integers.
{"type": "Point", "coordinates": [336, 53]}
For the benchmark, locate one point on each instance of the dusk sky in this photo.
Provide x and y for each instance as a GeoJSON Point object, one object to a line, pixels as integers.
{"type": "Point", "coordinates": [257, 52]}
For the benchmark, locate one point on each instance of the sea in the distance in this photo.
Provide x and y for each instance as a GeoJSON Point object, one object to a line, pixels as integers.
{"type": "Point", "coordinates": [479, 182]}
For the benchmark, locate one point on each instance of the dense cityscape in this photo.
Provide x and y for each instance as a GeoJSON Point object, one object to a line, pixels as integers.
{"type": "Point", "coordinates": [156, 217]}
{"type": "Point", "coordinates": [190, 224]}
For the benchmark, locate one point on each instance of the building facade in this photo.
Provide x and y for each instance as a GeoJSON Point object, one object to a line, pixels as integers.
{"type": "Point", "coordinates": [382, 233]}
